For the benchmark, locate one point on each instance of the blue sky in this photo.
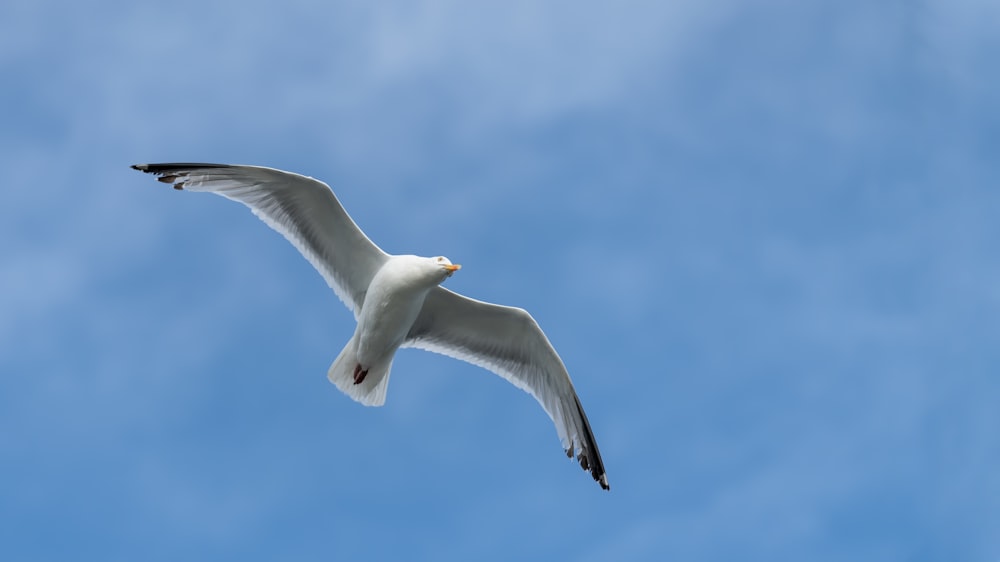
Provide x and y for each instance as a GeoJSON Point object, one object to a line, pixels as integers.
{"type": "Point", "coordinates": [763, 237]}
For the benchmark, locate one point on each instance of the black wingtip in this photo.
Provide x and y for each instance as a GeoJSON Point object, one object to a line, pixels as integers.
{"type": "Point", "coordinates": [589, 456]}
{"type": "Point", "coordinates": [596, 471]}
{"type": "Point", "coordinates": [174, 167]}
{"type": "Point", "coordinates": [173, 173]}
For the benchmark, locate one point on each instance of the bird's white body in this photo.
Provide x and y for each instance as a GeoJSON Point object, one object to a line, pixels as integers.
{"type": "Point", "coordinates": [397, 300]}
{"type": "Point", "coordinates": [393, 302]}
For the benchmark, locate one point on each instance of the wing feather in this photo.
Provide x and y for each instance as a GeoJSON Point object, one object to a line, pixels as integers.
{"type": "Point", "coordinates": [302, 209]}
{"type": "Point", "coordinates": [508, 342]}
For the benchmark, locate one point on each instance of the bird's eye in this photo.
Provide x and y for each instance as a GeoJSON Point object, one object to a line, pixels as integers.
{"type": "Point", "coordinates": [440, 260]}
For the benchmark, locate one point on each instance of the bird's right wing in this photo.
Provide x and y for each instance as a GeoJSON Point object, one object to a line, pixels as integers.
{"type": "Point", "coordinates": [304, 210]}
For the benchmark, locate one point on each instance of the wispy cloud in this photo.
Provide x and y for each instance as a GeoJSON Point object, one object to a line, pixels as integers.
{"type": "Point", "coordinates": [761, 237]}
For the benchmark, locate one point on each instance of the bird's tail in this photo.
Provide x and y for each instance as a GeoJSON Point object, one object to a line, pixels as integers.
{"type": "Point", "coordinates": [371, 390]}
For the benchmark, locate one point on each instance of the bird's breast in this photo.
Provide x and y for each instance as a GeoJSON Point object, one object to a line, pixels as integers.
{"type": "Point", "coordinates": [386, 316]}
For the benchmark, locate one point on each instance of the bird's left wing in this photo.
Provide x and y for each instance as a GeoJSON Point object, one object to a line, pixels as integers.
{"type": "Point", "coordinates": [304, 210]}
{"type": "Point", "coordinates": [508, 341]}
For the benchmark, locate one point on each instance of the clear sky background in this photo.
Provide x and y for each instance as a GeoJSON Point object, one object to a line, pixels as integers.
{"type": "Point", "coordinates": [764, 237]}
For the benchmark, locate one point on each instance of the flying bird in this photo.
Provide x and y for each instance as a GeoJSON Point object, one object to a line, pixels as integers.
{"type": "Point", "coordinates": [397, 300]}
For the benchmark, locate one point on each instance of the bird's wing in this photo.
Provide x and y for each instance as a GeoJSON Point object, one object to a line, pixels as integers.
{"type": "Point", "coordinates": [304, 210]}
{"type": "Point", "coordinates": [508, 341]}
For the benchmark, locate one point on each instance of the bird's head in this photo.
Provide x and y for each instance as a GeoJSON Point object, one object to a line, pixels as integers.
{"type": "Point", "coordinates": [445, 266]}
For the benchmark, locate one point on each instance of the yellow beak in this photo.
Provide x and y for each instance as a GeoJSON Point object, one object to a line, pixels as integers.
{"type": "Point", "coordinates": [453, 267]}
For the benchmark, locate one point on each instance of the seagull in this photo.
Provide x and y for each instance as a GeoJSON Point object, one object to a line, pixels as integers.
{"type": "Point", "coordinates": [397, 300]}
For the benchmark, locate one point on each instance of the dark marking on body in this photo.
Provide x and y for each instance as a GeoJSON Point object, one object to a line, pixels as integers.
{"type": "Point", "coordinates": [359, 374]}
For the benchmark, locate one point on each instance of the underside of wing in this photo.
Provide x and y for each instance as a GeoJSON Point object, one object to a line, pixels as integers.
{"type": "Point", "coordinates": [304, 210]}
{"type": "Point", "coordinates": [508, 342]}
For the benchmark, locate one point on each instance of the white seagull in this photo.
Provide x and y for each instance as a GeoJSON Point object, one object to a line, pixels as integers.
{"type": "Point", "coordinates": [397, 300]}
